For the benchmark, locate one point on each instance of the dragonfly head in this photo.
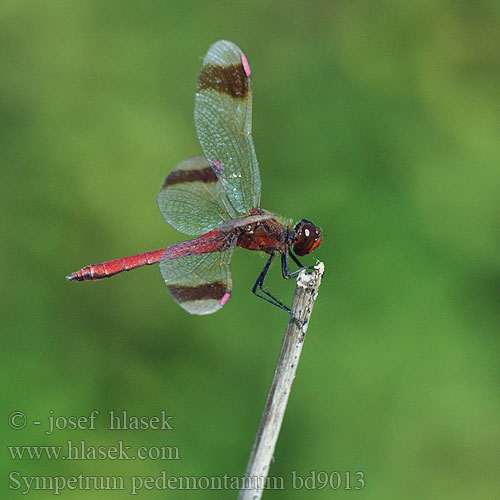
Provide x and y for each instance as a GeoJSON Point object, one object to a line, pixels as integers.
{"type": "Point", "coordinates": [306, 237]}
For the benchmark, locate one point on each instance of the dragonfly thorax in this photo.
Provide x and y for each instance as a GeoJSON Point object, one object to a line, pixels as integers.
{"type": "Point", "coordinates": [268, 234]}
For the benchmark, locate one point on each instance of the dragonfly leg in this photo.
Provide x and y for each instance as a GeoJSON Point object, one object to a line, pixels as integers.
{"type": "Point", "coordinates": [259, 290]}
{"type": "Point", "coordinates": [285, 269]}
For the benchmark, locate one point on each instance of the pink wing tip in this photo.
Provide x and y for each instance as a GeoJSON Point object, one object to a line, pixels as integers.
{"type": "Point", "coordinates": [217, 164]}
{"type": "Point", "coordinates": [225, 298]}
{"type": "Point", "coordinates": [246, 66]}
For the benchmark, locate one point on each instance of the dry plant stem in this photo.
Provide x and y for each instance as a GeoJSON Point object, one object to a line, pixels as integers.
{"type": "Point", "coordinates": [270, 424]}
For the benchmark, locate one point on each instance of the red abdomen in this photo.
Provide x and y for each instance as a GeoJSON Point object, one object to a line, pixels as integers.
{"type": "Point", "coordinates": [210, 242]}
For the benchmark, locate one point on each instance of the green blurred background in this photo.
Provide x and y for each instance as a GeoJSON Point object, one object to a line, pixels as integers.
{"type": "Point", "coordinates": [377, 120]}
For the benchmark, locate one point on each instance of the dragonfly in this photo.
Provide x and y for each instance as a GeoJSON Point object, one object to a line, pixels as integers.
{"type": "Point", "coordinates": [216, 198]}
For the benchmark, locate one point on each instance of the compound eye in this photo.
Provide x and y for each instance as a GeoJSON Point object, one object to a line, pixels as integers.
{"type": "Point", "coordinates": [307, 237]}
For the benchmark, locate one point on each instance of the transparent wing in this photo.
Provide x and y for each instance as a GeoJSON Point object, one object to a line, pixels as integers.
{"type": "Point", "coordinates": [223, 119]}
{"type": "Point", "coordinates": [200, 283]}
{"type": "Point", "coordinates": [192, 199]}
